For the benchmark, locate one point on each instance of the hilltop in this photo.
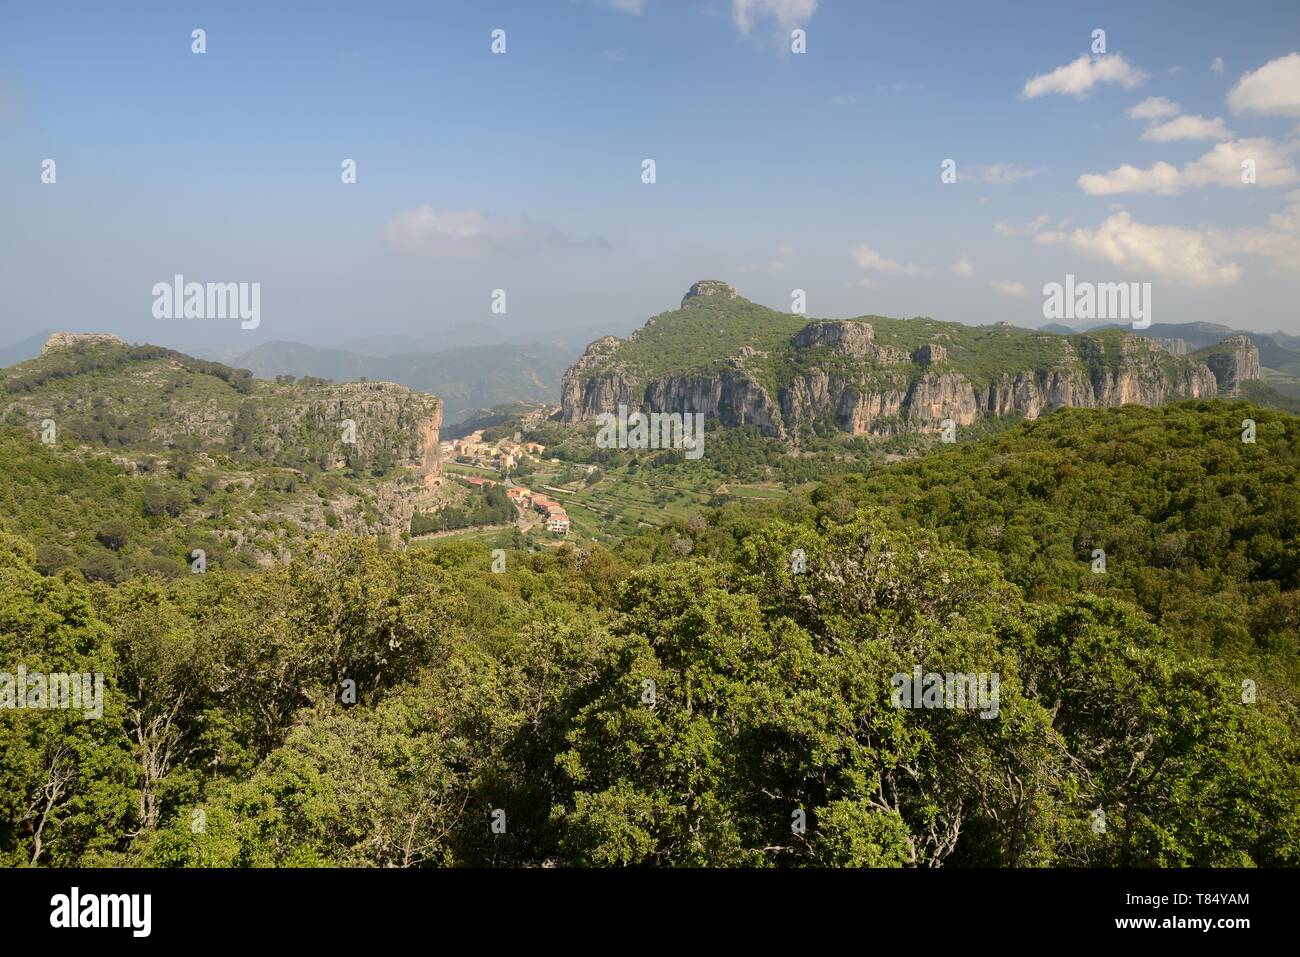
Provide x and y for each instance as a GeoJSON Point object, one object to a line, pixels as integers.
{"type": "Point", "coordinates": [743, 363]}
{"type": "Point", "coordinates": [151, 453]}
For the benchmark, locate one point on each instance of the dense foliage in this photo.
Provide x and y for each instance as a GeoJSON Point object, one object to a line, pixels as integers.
{"type": "Point", "coordinates": [689, 697]}
{"type": "Point", "coordinates": [486, 506]}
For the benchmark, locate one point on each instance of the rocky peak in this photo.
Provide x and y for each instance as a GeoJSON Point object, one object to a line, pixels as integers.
{"type": "Point", "coordinates": [1233, 361]}
{"type": "Point", "coordinates": [706, 288]}
{"type": "Point", "coordinates": [61, 340]}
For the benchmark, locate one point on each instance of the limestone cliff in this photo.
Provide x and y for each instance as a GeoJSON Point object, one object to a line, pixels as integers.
{"type": "Point", "coordinates": [1233, 361]}
{"type": "Point", "coordinates": [745, 365]}
{"type": "Point", "coordinates": [156, 400]}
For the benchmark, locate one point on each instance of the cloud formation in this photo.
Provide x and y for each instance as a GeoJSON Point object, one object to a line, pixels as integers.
{"type": "Point", "coordinates": [1186, 255]}
{"type": "Point", "coordinates": [998, 173]}
{"type": "Point", "coordinates": [1222, 166]}
{"type": "Point", "coordinates": [1153, 108]}
{"type": "Point", "coordinates": [1187, 128]}
{"type": "Point", "coordinates": [1009, 287]}
{"type": "Point", "coordinates": [786, 13]}
{"type": "Point", "coordinates": [1035, 225]}
{"type": "Point", "coordinates": [1279, 240]}
{"type": "Point", "coordinates": [868, 258]}
{"type": "Point", "coordinates": [1078, 77]}
{"type": "Point", "coordinates": [1273, 89]}
{"type": "Point", "coordinates": [470, 232]}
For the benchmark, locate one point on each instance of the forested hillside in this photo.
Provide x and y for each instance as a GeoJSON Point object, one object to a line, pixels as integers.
{"type": "Point", "coordinates": [124, 460]}
{"type": "Point", "coordinates": [682, 698]}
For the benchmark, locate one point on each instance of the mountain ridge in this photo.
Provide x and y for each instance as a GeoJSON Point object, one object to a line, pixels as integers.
{"type": "Point", "coordinates": [467, 378]}
{"type": "Point", "coordinates": [726, 357]}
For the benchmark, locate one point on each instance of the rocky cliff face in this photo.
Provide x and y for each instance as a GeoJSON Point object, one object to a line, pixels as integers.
{"type": "Point", "coordinates": [842, 378]}
{"type": "Point", "coordinates": [160, 400]}
{"type": "Point", "coordinates": [847, 338]}
{"type": "Point", "coordinates": [1233, 361]}
{"type": "Point", "coordinates": [390, 421]}
{"type": "Point", "coordinates": [151, 407]}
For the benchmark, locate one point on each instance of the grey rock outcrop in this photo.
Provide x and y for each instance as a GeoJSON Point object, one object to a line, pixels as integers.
{"type": "Point", "coordinates": [842, 379]}
{"type": "Point", "coordinates": [61, 340]}
{"type": "Point", "coordinates": [1233, 361]}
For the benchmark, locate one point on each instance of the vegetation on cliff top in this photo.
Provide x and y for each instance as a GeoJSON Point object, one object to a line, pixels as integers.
{"type": "Point", "coordinates": [699, 337]}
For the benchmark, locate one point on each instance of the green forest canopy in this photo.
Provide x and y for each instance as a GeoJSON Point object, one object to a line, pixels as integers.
{"type": "Point", "coordinates": [230, 736]}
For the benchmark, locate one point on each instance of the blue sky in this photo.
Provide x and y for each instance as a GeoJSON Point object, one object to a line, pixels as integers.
{"type": "Point", "coordinates": [522, 171]}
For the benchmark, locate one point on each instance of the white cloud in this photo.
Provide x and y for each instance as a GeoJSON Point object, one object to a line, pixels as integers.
{"type": "Point", "coordinates": [1007, 231]}
{"type": "Point", "coordinates": [866, 282]}
{"type": "Point", "coordinates": [1280, 240]}
{"type": "Point", "coordinates": [633, 7]}
{"type": "Point", "coordinates": [1272, 89]}
{"type": "Point", "coordinates": [963, 267]}
{"type": "Point", "coordinates": [786, 13]}
{"type": "Point", "coordinates": [1216, 65]}
{"type": "Point", "coordinates": [1009, 287]}
{"type": "Point", "coordinates": [1079, 77]}
{"type": "Point", "coordinates": [846, 99]}
{"type": "Point", "coordinates": [1153, 108]}
{"type": "Point", "coordinates": [1188, 128]}
{"type": "Point", "coordinates": [1187, 255]}
{"type": "Point", "coordinates": [1222, 166]}
{"type": "Point", "coordinates": [470, 232]}
{"type": "Point", "coordinates": [868, 258]}
{"type": "Point", "coordinates": [999, 173]}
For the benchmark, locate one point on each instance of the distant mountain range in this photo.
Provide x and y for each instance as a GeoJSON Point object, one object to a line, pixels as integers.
{"type": "Point", "coordinates": [466, 379]}
{"type": "Point", "coordinates": [1279, 353]}
{"type": "Point", "coordinates": [28, 348]}
{"type": "Point", "coordinates": [572, 338]}
{"type": "Point", "coordinates": [472, 378]}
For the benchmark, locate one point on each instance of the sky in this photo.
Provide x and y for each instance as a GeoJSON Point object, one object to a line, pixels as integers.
{"type": "Point", "coordinates": [524, 170]}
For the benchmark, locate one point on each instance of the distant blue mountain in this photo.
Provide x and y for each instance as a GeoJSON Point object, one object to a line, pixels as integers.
{"type": "Point", "coordinates": [466, 379]}
{"type": "Point", "coordinates": [28, 348]}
